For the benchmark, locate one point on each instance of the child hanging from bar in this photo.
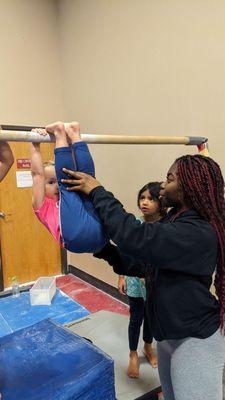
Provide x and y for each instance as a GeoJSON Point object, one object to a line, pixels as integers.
{"type": "Point", "coordinates": [70, 217]}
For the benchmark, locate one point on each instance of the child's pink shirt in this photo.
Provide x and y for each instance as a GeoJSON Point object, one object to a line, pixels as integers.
{"type": "Point", "coordinates": [48, 214]}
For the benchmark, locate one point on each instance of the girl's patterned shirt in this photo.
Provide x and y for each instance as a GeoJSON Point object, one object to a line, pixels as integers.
{"type": "Point", "coordinates": [135, 287]}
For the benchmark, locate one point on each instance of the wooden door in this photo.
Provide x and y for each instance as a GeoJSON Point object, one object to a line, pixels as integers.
{"type": "Point", "coordinates": [27, 248]}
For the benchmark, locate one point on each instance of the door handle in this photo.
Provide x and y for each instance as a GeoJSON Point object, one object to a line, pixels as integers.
{"type": "Point", "coordinates": [7, 217]}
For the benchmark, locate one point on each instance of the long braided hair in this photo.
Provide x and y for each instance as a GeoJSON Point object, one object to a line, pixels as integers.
{"type": "Point", "coordinates": [202, 183]}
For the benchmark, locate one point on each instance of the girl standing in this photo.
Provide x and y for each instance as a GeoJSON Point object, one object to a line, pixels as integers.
{"type": "Point", "coordinates": [151, 208]}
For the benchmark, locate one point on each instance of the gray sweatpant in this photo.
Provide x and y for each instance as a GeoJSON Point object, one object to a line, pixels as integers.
{"type": "Point", "coordinates": [191, 368]}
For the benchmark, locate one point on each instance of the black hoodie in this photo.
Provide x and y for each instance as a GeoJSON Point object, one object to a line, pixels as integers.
{"type": "Point", "coordinates": [177, 256]}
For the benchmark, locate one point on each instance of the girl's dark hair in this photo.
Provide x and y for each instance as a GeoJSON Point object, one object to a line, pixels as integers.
{"type": "Point", "coordinates": [202, 183]}
{"type": "Point", "coordinates": [154, 189]}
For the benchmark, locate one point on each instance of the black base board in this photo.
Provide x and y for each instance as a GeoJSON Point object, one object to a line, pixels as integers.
{"type": "Point", "coordinates": [105, 287]}
{"type": "Point", "coordinates": [153, 395]}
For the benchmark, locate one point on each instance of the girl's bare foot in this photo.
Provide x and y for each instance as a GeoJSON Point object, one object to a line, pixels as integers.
{"type": "Point", "coordinates": [133, 367]}
{"type": "Point", "coordinates": [58, 130]}
{"type": "Point", "coordinates": [73, 131]}
{"type": "Point", "coordinates": [150, 355]}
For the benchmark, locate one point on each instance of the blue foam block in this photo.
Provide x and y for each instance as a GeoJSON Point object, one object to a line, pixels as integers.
{"type": "Point", "coordinates": [46, 361]}
{"type": "Point", "coordinates": [17, 312]}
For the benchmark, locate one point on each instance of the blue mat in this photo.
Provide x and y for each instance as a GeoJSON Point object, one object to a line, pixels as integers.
{"type": "Point", "coordinates": [17, 313]}
{"type": "Point", "coordinates": [48, 362]}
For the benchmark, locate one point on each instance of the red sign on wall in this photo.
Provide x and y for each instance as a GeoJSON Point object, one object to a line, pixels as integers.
{"type": "Point", "coordinates": [23, 163]}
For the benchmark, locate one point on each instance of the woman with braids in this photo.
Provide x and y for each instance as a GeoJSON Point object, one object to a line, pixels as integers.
{"type": "Point", "coordinates": [178, 256]}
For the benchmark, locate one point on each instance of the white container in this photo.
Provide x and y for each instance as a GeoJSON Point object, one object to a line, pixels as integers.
{"type": "Point", "coordinates": [43, 291]}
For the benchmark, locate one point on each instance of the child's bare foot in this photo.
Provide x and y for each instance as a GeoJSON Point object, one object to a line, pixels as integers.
{"type": "Point", "coordinates": [133, 367]}
{"type": "Point", "coordinates": [73, 131]}
{"type": "Point", "coordinates": [58, 130]}
{"type": "Point", "coordinates": [150, 355]}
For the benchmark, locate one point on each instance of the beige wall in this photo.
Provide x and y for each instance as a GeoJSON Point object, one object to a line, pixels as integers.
{"type": "Point", "coordinates": [142, 67]}
{"type": "Point", "coordinates": [30, 80]}
{"type": "Point", "coordinates": [120, 67]}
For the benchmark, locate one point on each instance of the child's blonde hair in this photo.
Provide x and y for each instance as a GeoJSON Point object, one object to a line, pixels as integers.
{"type": "Point", "coordinates": [49, 163]}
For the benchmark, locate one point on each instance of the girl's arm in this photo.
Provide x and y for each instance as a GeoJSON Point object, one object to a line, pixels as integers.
{"type": "Point", "coordinates": [37, 171]}
{"type": "Point", "coordinates": [122, 284]}
{"type": "Point", "coordinates": [6, 159]}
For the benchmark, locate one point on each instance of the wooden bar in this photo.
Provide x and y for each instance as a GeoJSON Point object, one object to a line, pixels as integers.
{"type": "Point", "coordinates": [17, 135]}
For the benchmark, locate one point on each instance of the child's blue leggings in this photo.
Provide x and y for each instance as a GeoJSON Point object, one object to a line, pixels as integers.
{"type": "Point", "coordinates": [80, 226]}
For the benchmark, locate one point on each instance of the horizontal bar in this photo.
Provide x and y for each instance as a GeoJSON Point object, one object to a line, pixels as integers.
{"type": "Point", "coordinates": [25, 135]}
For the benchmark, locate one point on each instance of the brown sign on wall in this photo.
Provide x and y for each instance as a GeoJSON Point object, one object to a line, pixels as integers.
{"type": "Point", "coordinates": [23, 163]}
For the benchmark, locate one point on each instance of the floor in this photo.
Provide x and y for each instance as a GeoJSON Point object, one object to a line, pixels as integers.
{"type": "Point", "coordinates": [17, 312]}
{"type": "Point", "coordinates": [94, 299]}
{"type": "Point", "coordinates": [90, 297]}
{"type": "Point", "coordinates": [106, 327]}
{"type": "Point", "coordinates": [108, 331]}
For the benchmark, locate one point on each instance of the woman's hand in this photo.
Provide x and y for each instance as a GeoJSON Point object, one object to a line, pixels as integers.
{"type": "Point", "coordinates": [80, 181]}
